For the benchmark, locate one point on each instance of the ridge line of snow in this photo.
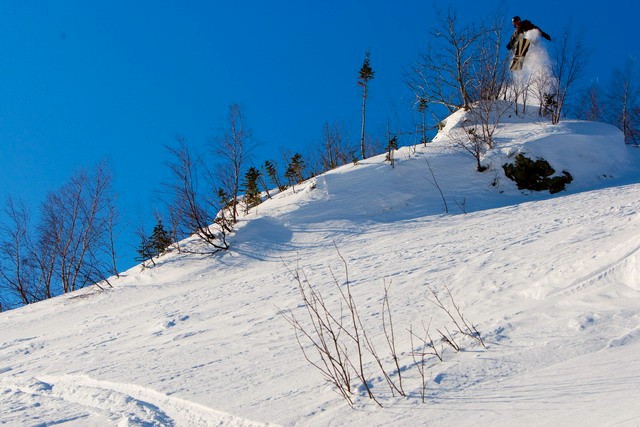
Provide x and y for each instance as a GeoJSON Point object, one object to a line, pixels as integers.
{"type": "Point", "coordinates": [583, 282]}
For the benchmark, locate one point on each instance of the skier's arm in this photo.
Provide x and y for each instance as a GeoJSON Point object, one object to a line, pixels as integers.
{"type": "Point", "coordinates": [542, 33]}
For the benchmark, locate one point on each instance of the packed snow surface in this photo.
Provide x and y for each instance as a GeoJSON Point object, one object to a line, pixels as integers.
{"type": "Point", "coordinates": [551, 282]}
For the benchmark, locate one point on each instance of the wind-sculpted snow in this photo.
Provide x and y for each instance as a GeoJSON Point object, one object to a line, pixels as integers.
{"type": "Point", "coordinates": [550, 281]}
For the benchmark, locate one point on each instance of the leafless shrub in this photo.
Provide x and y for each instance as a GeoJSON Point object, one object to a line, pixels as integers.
{"type": "Point", "coordinates": [334, 340]}
{"type": "Point", "coordinates": [487, 115]}
{"type": "Point", "coordinates": [419, 354]}
{"type": "Point", "coordinates": [419, 363]}
{"type": "Point", "coordinates": [462, 204]}
{"type": "Point", "coordinates": [389, 333]}
{"type": "Point", "coordinates": [340, 340]}
{"type": "Point", "coordinates": [433, 181]}
{"type": "Point", "coordinates": [428, 347]}
{"type": "Point", "coordinates": [447, 338]}
{"type": "Point", "coordinates": [455, 315]}
{"type": "Point", "coordinates": [467, 141]}
{"type": "Point", "coordinates": [323, 335]}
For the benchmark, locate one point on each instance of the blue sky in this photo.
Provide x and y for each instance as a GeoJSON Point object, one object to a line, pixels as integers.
{"type": "Point", "coordinates": [86, 81]}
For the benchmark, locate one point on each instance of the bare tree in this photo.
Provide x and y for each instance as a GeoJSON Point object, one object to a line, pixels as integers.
{"type": "Point", "coordinates": [75, 221]}
{"type": "Point", "coordinates": [542, 83]}
{"type": "Point", "coordinates": [334, 150]}
{"type": "Point", "coordinates": [195, 211]}
{"type": "Point", "coordinates": [444, 74]}
{"type": "Point", "coordinates": [262, 181]}
{"type": "Point", "coordinates": [232, 148]}
{"type": "Point", "coordinates": [71, 247]}
{"type": "Point", "coordinates": [17, 277]}
{"type": "Point", "coordinates": [488, 84]}
{"type": "Point", "coordinates": [465, 68]}
{"type": "Point", "coordinates": [590, 103]}
{"type": "Point", "coordinates": [519, 88]}
{"type": "Point", "coordinates": [490, 65]}
{"type": "Point", "coordinates": [623, 100]}
{"type": "Point", "coordinates": [570, 59]}
{"type": "Point", "coordinates": [174, 222]}
{"type": "Point", "coordinates": [112, 237]}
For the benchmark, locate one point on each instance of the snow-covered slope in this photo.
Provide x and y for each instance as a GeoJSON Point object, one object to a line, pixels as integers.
{"type": "Point", "coordinates": [551, 282]}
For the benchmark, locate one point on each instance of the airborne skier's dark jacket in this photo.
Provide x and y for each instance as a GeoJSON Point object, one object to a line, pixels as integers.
{"type": "Point", "coordinates": [522, 27]}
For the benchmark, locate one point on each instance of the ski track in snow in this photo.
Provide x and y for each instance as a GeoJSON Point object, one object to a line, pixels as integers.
{"type": "Point", "coordinates": [85, 401]}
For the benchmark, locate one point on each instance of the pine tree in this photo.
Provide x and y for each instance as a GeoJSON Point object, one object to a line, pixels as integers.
{"type": "Point", "coordinates": [294, 172]}
{"type": "Point", "coordinates": [272, 172]}
{"type": "Point", "coordinates": [160, 239]}
{"type": "Point", "coordinates": [144, 251]}
{"type": "Point", "coordinates": [155, 245]}
{"type": "Point", "coordinates": [392, 145]}
{"type": "Point", "coordinates": [422, 108]}
{"type": "Point", "coordinates": [365, 74]}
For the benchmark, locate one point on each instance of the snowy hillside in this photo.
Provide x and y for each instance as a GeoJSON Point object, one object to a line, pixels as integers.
{"type": "Point", "coordinates": [552, 283]}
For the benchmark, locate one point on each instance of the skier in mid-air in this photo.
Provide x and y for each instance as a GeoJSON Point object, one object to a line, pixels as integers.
{"type": "Point", "coordinates": [520, 28]}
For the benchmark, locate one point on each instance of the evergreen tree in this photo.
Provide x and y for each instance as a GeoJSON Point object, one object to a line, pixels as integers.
{"type": "Point", "coordinates": [422, 107]}
{"type": "Point", "coordinates": [294, 172]}
{"type": "Point", "coordinates": [227, 204]}
{"type": "Point", "coordinates": [365, 74]}
{"type": "Point", "coordinates": [252, 193]}
{"type": "Point", "coordinates": [156, 244]}
{"type": "Point", "coordinates": [392, 145]}
{"type": "Point", "coordinates": [160, 238]}
{"type": "Point", "coordinates": [272, 172]}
